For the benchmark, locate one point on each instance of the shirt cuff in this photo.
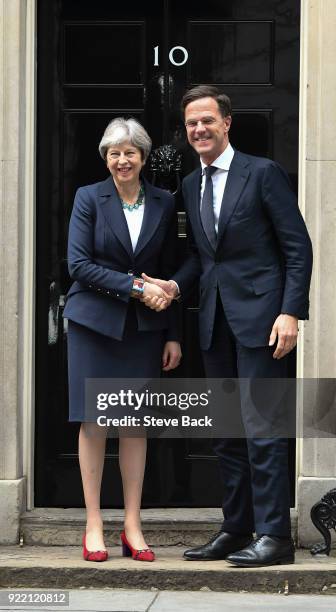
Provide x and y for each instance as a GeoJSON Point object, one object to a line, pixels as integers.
{"type": "Point", "coordinates": [178, 289]}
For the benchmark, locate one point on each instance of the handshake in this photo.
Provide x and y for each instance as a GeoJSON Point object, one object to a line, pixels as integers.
{"type": "Point", "coordinates": [158, 294]}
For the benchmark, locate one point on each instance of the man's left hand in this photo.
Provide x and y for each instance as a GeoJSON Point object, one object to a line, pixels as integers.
{"type": "Point", "coordinates": [286, 329]}
{"type": "Point", "coordinates": [171, 356]}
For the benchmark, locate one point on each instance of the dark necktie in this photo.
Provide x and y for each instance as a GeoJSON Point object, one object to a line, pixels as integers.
{"type": "Point", "coordinates": [207, 209]}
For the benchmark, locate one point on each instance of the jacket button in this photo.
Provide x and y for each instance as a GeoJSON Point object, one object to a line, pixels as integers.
{"type": "Point", "coordinates": [117, 294]}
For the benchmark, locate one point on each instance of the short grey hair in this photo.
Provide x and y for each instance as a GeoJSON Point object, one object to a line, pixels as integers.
{"type": "Point", "coordinates": [122, 130]}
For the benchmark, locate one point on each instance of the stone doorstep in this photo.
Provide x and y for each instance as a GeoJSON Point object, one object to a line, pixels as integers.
{"type": "Point", "coordinates": [63, 567]}
{"type": "Point", "coordinates": [162, 526]}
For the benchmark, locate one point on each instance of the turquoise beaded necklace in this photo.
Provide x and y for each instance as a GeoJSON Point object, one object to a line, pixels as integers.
{"type": "Point", "coordinates": [140, 201]}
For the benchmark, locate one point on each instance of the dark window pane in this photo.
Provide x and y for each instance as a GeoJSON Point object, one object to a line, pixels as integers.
{"type": "Point", "coordinates": [251, 132]}
{"type": "Point", "coordinates": [100, 53]}
{"type": "Point", "coordinates": [240, 52]}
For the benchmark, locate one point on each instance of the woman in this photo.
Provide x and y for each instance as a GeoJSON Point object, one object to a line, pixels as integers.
{"type": "Point", "coordinates": [119, 228]}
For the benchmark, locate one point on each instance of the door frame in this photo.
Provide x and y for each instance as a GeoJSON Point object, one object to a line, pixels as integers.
{"type": "Point", "coordinates": [28, 282]}
{"type": "Point", "coordinates": [29, 255]}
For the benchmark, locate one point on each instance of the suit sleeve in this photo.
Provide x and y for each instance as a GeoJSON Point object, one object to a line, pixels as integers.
{"type": "Point", "coordinates": [189, 272]}
{"type": "Point", "coordinates": [81, 264]}
{"type": "Point", "coordinates": [168, 264]}
{"type": "Point", "coordinates": [281, 205]}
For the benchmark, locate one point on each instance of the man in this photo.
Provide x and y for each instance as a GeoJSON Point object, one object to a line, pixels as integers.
{"type": "Point", "coordinates": [252, 254]}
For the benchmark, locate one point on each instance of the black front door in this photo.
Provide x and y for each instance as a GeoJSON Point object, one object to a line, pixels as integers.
{"type": "Point", "coordinates": [99, 60]}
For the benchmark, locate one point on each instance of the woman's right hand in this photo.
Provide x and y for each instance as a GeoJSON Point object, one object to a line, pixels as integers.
{"type": "Point", "coordinates": [155, 298]}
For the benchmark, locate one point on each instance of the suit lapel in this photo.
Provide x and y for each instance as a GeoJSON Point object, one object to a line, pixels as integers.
{"type": "Point", "coordinates": [114, 214]}
{"type": "Point", "coordinates": [152, 216]}
{"type": "Point", "coordinates": [236, 180]}
{"type": "Point", "coordinates": [115, 217]}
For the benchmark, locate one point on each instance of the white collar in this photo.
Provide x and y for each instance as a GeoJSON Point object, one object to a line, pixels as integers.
{"type": "Point", "coordinates": [224, 160]}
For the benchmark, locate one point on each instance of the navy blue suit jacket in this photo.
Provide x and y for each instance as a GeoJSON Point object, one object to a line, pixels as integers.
{"type": "Point", "coordinates": [102, 263]}
{"type": "Point", "coordinates": [263, 260]}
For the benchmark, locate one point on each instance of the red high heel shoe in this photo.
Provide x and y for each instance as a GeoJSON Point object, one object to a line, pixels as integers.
{"type": "Point", "coordinates": [146, 554]}
{"type": "Point", "coordinates": [93, 555]}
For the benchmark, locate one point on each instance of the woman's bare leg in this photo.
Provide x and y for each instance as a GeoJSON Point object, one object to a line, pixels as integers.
{"type": "Point", "coordinates": [91, 450]}
{"type": "Point", "coordinates": [132, 459]}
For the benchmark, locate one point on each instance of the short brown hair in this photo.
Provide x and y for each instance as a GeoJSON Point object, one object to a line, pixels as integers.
{"type": "Point", "coordinates": [207, 91]}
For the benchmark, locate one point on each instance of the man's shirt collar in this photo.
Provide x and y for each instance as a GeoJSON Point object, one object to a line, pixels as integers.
{"type": "Point", "coordinates": [223, 161]}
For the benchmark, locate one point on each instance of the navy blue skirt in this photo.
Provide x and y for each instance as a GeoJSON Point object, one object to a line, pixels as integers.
{"type": "Point", "coordinates": [92, 355]}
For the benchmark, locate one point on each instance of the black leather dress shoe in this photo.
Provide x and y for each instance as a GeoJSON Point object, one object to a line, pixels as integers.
{"type": "Point", "coordinates": [265, 550]}
{"type": "Point", "coordinates": [220, 545]}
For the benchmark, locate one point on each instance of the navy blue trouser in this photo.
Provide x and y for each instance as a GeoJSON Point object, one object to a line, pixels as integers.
{"type": "Point", "coordinates": [254, 470]}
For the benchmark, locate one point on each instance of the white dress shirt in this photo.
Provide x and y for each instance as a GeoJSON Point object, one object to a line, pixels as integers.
{"type": "Point", "coordinates": [134, 220]}
{"type": "Point", "coordinates": [219, 178]}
